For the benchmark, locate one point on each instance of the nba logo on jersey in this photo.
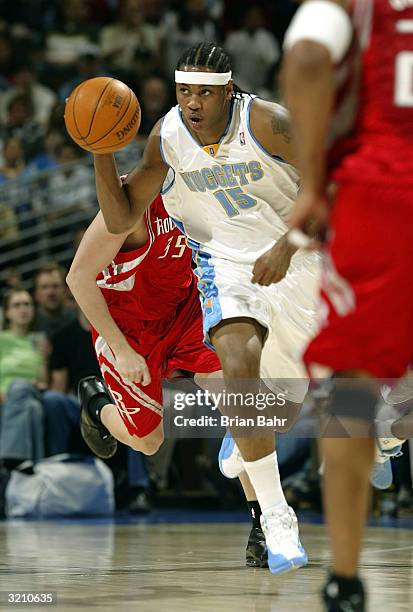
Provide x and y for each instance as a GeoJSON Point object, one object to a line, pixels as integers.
{"type": "Point", "coordinates": [242, 138]}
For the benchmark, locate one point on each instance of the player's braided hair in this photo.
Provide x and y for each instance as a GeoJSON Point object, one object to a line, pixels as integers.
{"type": "Point", "coordinates": [207, 55]}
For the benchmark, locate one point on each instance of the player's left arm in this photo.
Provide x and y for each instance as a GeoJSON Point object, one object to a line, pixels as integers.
{"type": "Point", "coordinates": [271, 126]}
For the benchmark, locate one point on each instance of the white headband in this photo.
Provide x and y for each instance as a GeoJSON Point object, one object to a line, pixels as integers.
{"type": "Point", "coordinates": [193, 77]}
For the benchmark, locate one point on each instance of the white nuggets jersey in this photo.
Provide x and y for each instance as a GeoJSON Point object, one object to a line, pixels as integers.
{"type": "Point", "coordinates": [231, 200]}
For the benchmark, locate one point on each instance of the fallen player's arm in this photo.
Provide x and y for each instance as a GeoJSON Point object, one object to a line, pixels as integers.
{"type": "Point", "coordinates": [96, 251]}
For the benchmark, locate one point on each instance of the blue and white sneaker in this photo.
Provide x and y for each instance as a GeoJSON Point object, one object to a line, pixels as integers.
{"type": "Point", "coordinates": [229, 458]}
{"type": "Point", "coordinates": [381, 476]}
{"type": "Point", "coordinates": [285, 551]}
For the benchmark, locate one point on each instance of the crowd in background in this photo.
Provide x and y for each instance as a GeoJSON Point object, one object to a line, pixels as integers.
{"type": "Point", "coordinates": [47, 48]}
{"type": "Point", "coordinates": [47, 197]}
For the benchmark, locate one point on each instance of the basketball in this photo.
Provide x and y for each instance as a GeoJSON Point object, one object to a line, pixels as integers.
{"type": "Point", "coordinates": [102, 115]}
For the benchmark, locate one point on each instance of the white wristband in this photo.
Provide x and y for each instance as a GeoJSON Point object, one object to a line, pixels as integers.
{"type": "Point", "coordinates": [298, 239]}
{"type": "Point", "coordinates": [323, 22]}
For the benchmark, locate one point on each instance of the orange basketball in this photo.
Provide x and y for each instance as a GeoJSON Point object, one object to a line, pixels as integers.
{"type": "Point", "coordinates": [102, 115]}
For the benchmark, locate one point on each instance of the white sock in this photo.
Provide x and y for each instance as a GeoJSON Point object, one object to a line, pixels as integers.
{"type": "Point", "coordinates": [265, 478]}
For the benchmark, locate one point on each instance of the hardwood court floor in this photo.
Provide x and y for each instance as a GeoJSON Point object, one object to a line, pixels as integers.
{"type": "Point", "coordinates": [107, 566]}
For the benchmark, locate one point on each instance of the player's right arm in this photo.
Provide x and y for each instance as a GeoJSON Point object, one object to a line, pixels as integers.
{"type": "Point", "coordinates": [122, 205]}
{"type": "Point", "coordinates": [317, 39]}
{"type": "Point", "coordinates": [96, 251]}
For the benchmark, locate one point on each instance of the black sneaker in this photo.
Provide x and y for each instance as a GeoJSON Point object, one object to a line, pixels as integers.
{"type": "Point", "coordinates": [256, 554]}
{"type": "Point", "coordinates": [96, 436]}
{"type": "Point", "coordinates": [344, 595]}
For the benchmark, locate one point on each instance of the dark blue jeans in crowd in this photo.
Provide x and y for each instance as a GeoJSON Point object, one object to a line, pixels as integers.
{"type": "Point", "coordinates": [61, 418]}
{"type": "Point", "coordinates": [22, 427]}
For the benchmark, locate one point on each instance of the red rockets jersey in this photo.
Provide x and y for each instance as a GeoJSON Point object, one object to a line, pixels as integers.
{"type": "Point", "coordinates": [149, 282]}
{"type": "Point", "coordinates": [374, 105]}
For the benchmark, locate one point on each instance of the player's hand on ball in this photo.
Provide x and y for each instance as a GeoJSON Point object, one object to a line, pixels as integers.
{"type": "Point", "coordinates": [132, 366]}
{"type": "Point", "coordinates": [273, 265]}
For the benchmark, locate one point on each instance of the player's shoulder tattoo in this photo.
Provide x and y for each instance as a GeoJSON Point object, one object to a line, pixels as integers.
{"type": "Point", "coordinates": [280, 123]}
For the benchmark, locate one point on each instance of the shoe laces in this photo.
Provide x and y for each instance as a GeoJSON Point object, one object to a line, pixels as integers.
{"type": "Point", "coordinates": [281, 522]}
{"type": "Point", "coordinates": [390, 454]}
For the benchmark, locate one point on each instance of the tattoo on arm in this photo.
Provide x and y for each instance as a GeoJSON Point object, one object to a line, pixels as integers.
{"type": "Point", "coordinates": [281, 126]}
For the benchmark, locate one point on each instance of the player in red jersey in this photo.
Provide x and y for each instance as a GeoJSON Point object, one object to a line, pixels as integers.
{"type": "Point", "coordinates": [140, 295]}
{"type": "Point", "coordinates": [348, 81]}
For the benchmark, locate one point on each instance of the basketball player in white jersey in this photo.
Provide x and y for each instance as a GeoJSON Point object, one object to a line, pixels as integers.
{"type": "Point", "coordinates": [235, 185]}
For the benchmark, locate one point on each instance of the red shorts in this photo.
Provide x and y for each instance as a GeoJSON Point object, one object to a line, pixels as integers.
{"type": "Point", "coordinates": [367, 283]}
{"type": "Point", "coordinates": [167, 345]}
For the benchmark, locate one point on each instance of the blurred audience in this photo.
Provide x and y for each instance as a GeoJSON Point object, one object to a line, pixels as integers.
{"type": "Point", "coordinates": [72, 186]}
{"type": "Point", "coordinates": [88, 65]}
{"type": "Point", "coordinates": [16, 195]}
{"type": "Point", "coordinates": [253, 49]}
{"type": "Point", "coordinates": [73, 32]}
{"type": "Point", "coordinates": [25, 83]}
{"type": "Point", "coordinates": [183, 27]}
{"type": "Point", "coordinates": [20, 123]}
{"type": "Point", "coordinates": [72, 356]}
{"type": "Point", "coordinates": [7, 61]}
{"type": "Point", "coordinates": [120, 40]}
{"type": "Point", "coordinates": [156, 99]}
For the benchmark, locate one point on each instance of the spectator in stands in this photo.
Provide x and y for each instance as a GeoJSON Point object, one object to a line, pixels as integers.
{"type": "Point", "coordinates": [9, 228]}
{"type": "Point", "coordinates": [74, 32]}
{"type": "Point", "coordinates": [119, 41]}
{"type": "Point", "coordinates": [72, 188]}
{"type": "Point", "coordinates": [270, 91]}
{"type": "Point", "coordinates": [71, 199]}
{"type": "Point", "coordinates": [253, 49]}
{"type": "Point", "coordinates": [22, 374]}
{"type": "Point", "coordinates": [20, 124]}
{"type": "Point", "coordinates": [42, 98]}
{"type": "Point", "coordinates": [14, 163]}
{"type": "Point", "coordinates": [50, 295]}
{"type": "Point", "coordinates": [144, 66]}
{"type": "Point", "coordinates": [35, 422]}
{"type": "Point", "coordinates": [184, 28]}
{"type": "Point", "coordinates": [154, 10]}
{"type": "Point", "coordinates": [13, 279]}
{"type": "Point", "coordinates": [155, 99]}
{"type": "Point", "coordinates": [72, 357]}
{"type": "Point", "coordinates": [15, 195]}
{"type": "Point", "coordinates": [56, 137]}
{"type": "Point", "coordinates": [6, 61]}
{"type": "Point", "coordinates": [88, 65]}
